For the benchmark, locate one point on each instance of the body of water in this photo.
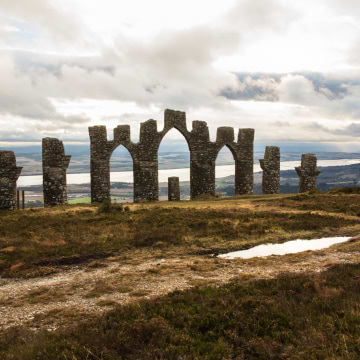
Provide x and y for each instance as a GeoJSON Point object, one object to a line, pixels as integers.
{"type": "Point", "coordinates": [290, 247]}
{"type": "Point", "coordinates": [183, 174]}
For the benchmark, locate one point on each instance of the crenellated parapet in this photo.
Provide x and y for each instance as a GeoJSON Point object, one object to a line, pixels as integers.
{"type": "Point", "coordinates": [9, 174]}
{"type": "Point", "coordinates": [203, 155]}
{"type": "Point", "coordinates": [271, 170]}
{"type": "Point", "coordinates": [307, 172]}
{"type": "Point", "coordinates": [54, 164]}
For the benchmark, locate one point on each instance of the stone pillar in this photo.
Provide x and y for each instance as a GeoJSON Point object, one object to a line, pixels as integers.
{"type": "Point", "coordinates": [271, 170]}
{"type": "Point", "coordinates": [244, 164]}
{"type": "Point", "coordinates": [146, 184]}
{"type": "Point", "coordinates": [173, 188]}
{"type": "Point", "coordinates": [9, 174]}
{"type": "Point", "coordinates": [307, 172]}
{"type": "Point", "coordinates": [99, 164]}
{"type": "Point", "coordinates": [54, 164]}
{"type": "Point", "coordinates": [202, 161]}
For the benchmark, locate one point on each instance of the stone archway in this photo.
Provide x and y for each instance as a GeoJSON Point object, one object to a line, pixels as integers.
{"type": "Point", "coordinates": [121, 162]}
{"type": "Point", "coordinates": [203, 154]}
{"type": "Point", "coordinates": [243, 152]}
{"type": "Point", "coordinates": [225, 160]}
{"type": "Point", "coordinates": [176, 160]}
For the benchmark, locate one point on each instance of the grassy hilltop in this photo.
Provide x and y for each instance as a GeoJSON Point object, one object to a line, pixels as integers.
{"type": "Point", "coordinates": [142, 282]}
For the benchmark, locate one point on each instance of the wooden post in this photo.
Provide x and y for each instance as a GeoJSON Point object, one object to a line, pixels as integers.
{"type": "Point", "coordinates": [17, 199]}
{"type": "Point", "coordinates": [23, 198]}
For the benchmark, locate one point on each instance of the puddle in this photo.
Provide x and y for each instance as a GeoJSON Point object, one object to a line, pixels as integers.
{"type": "Point", "coordinates": [290, 247]}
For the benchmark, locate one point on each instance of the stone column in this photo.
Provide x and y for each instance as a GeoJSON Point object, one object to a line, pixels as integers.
{"type": "Point", "coordinates": [271, 170]}
{"type": "Point", "coordinates": [146, 187]}
{"type": "Point", "coordinates": [202, 161]}
{"type": "Point", "coordinates": [146, 183]}
{"type": "Point", "coordinates": [9, 174]}
{"type": "Point", "coordinates": [244, 164]}
{"type": "Point", "coordinates": [54, 164]}
{"type": "Point", "coordinates": [99, 164]}
{"type": "Point", "coordinates": [173, 188]}
{"type": "Point", "coordinates": [307, 172]}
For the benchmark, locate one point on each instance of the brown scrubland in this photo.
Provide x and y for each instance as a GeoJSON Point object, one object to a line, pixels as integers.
{"type": "Point", "coordinates": [143, 281]}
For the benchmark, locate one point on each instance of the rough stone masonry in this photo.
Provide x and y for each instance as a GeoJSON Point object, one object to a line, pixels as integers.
{"type": "Point", "coordinates": [203, 154]}
{"type": "Point", "coordinates": [307, 172]}
{"type": "Point", "coordinates": [9, 174]}
{"type": "Point", "coordinates": [271, 170]}
{"type": "Point", "coordinates": [55, 164]}
{"type": "Point", "coordinates": [173, 188]}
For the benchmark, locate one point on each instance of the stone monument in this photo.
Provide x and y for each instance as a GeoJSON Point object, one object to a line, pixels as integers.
{"type": "Point", "coordinates": [173, 188]}
{"type": "Point", "coordinates": [271, 170]}
{"type": "Point", "coordinates": [9, 174]}
{"type": "Point", "coordinates": [55, 164]}
{"type": "Point", "coordinates": [203, 153]}
{"type": "Point", "coordinates": [307, 172]}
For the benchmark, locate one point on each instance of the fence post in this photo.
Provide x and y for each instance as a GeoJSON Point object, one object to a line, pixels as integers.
{"type": "Point", "coordinates": [23, 198]}
{"type": "Point", "coordinates": [17, 199]}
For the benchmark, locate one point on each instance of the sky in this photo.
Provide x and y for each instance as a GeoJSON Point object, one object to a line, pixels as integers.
{"type": "Point", "coordinates": [289, 69]}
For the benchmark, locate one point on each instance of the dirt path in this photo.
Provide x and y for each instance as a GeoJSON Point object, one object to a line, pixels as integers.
{"type": "Point", "coordinates": [80, 292]}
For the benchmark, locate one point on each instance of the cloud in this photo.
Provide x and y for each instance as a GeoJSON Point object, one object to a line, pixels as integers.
{"type": "Point", "coordinates": [21, 99]}
{"type": "Point", "coordinates": [44, 18]}
{"type": "Point", "coordinates": [299, 90]}
{"type": "Point", "coordinates": [256, 15]}
{"type": "Point", "coordinates": [259, 87]}
{"type": "Point", "coordinates": [44, 87]}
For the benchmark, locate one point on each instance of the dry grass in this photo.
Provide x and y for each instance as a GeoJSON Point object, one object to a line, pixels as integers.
{"type": "Point", "coordinates": [305, 316]}
{"type": "Point", "coordinates": [45, 294]}
{"type": "Point", "coordinates": [38, 243]}
{"type": "Point", "coordinates": [144, 252]}
{"type": "Point", "coordinates": [69, 316]}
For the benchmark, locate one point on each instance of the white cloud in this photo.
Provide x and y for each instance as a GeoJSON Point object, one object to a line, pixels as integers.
{"type": "Point", "coordinates": [86, 61]}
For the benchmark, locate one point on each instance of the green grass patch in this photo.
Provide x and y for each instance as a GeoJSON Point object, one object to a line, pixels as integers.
{"type": "Point", "coordinates": [82, 200]}
{"type": "Point", "coordinates": [87, 200]}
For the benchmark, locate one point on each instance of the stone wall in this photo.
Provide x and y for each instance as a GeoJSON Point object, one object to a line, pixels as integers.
{"type": "Point", "coordinates": [173, 188]}
{"type": "Point", "coordinates": [55, 164]}
{"type": "Point", "coordinates": [271, 170]}
{"type": "Point", "coordinates": [307, 172]}
{"type": "Point", "coordinates": [203, 154]}
{"type": "Point", "coordinates": [9, 174]}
